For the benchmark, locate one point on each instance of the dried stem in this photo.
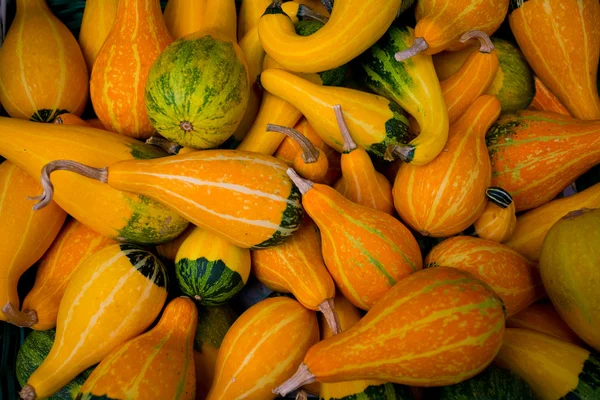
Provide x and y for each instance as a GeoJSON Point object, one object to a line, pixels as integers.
{"type": "Point", "coordinates": [328, 309]}
{"type": "Point", "coordinates": [22, 319]}
{"type": "Point", "coordinates": [310, 154]}
{"type": "Point", "coordinates": [404, 152]}
{"type": "Point", "coordinates": [305, 12]}
{"type": "Point", "coordinates": [301, 395]}
{"type": "Point", "coordinates": [349, 143]}
{"type": "Point", "coordinates": [303, 185]}
{"type": "Point", "coordinates": [302, 377]}
{"type": "Point", "coordinates": [499, 196]}
{"type": "Point", "coordinates": [485, 43]}
{"type": "Point", "coordinates": [165, 144]}
{"type": "Point", "coordinates": [328, 4]}
{"type": "Point", "coordinates": [28, 393]}
{"type": "Point", "coordinates": [418, 46]}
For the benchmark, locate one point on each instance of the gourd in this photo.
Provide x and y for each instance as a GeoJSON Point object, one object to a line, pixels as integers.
{"type": "Point", "coordinates": [168, 251]}
{"type": "Point", "coordinates": [498, 220]}
{"type": "Point", "coordinates": [255, 216]}
{"type": "Point", "coordinates": [40, 65]}
{"type": "Point", "coordinates": [220, 16]}
{"type": "Point", "coordinates": [249, 15]}
{"type": "Point", "coordinates": [184, 17]}
{"type": "Point", "coordinates": [262, 348]}
{"type": "Point", "coordinates": [532, 227]}
{"type": "Point", "coordinates": [545, 100]}
{"type": "Point", "coordinates": [73, 245]}
{"type": "Point", "coordinates": [412, 84]}
{"type": "Point", "coordinates": [571, 281]}
{"type": "Point", "coordinates": [210, 269]}
{"type": "Point", "coordinates": [297, 267]}
{"type": "Point", "coordinates": [24, 237]}
{"type": "Point", "coordinates": [97, 21]}
{"type": "Point", "coordinates": [156, 364]}
{"type": "Point", "coordinates": [137, 38]}
{"type": "Point", "coordinates": [388, 343]}
{"type": "Point", "coordinates": [563, 49]}
{"type": "Point", "coordinates": [112, 297]}
{"type": "Point", "coordinates": [536, 154]}
{"type": "Point", "coordinates": [119, 215]}
{"type": "Point", "coordinates": [95, 123]}
{"type": "Point", "coordinates": [366, 251]}
{"type": "Point", "coordinates": [554, 369]}
{"type": "Point", "coordinates": [516, 280]}
{"type": "Point", "coordinates": [447, 195]}
{"type": "Point", "coordinates": [70, 119]}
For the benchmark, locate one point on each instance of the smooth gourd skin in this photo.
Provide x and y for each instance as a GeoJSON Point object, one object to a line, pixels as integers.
{"type": "Point", "coordinates": [263, 348]}
{"type": "Point", "coordinates": [73, 245]}
{"type": "Point", "coordinates": [97, 21]}
{"type": "Point", "coordinates": [168, 251]}
{"type": "Point", "coordinates": [561, 41]}
{"type": "Point", "coordinates": [536, 154]}
{"type": "Point", "coordinates": [554, 369]}
{"type": "Point", "coordinates": [119, 215]}
{"type": "Point", "coordinates": [249, 15]}
{"type": "Point", "coordinates": [69, 119]}
{"type": "Point", "coordinates": [447, 195]}
{"type": "Point", "coordinates": [569, 268]}
{"type": "Point", "coordinates": [42, 70]}
{"type": "Point", "coordinates": [545, 100]}
{"type": "Point", "coordinates": [516, 280]}
{"type": "Point", "coordinates": [183, 17]}
{"type": "Point", "coordinates": [158, 364]}
{"type": "Point", "coordinates": [24, 234]}
{"type": "Point", "coordinates": [498, 220]}
{"type": "Point", "coordinates": [112, 297]}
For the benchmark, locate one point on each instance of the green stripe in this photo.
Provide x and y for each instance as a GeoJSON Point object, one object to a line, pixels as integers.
{"type": "Point", "coordinates": [46, 115]}
{"type": "Point", "coordinates": [146, 263]}
{"type": "Point", "coordinates": [290, 221]}
{"type": "Point", "coordinates": [589, 380]}
{"type": "Point", "coordinates": [372, 260]}
{"type": "Point", "coordinates": [499, 197]}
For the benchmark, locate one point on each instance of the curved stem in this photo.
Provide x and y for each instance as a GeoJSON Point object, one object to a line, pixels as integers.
{"type": "Point", "coordinates": [305, 11]}
{"type": "Point", "coordinates": [349, 143]}
{"type": "Point", "coordinates": [301, 395]}
{"type": "Point", "coordinates": [22, 319]}
{"type": "Point", "coordinates": [304, 185]}
{"type": "Point", "coordinates": [99, 174]}
{"type": "Point", "coordinates": [485, 43]}
{"type": "Point", "coordinates": [418, 46]}
{"type": "Point", "coordinates": [328, 309]}
{"type": "Point", "coordinates": [28, 393]}
{"type": "Point", "coordinates": [499, 196]}
{"type": "Point", "coordinates": [302, 377]}
{"type": "Point", "coordinates": [328, 4]}
{"type": "Point", "coordinates": [310, 153]}
{"type": "Point", "coordinates": [165, 144]}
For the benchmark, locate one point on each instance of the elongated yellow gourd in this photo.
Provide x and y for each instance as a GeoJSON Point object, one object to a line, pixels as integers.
{"type": "Point", "coordinates": [98, 18]}
{"type": "Point", "coordinates": [184, 17]}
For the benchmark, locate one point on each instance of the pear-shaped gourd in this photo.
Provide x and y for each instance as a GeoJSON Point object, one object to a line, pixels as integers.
{"type": "Point", "coordinates": [97, 21]}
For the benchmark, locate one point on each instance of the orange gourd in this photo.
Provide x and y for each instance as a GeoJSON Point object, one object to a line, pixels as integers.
{"type": "Point", "coordinates": [561, 42]}
{"type": "Point", "coordinates": [498, 220]}
{"type": "Point", "coordinates": [118, 81]}
{"type": "Point", "coordinates": [515, 279]}
{"type": "Point", "coordinates": [447, 195]}
{"type": "Point", "coordinates": [70, 119]}
{"type": "Point", "coordinates": [97, 21]}
{"type": "Point", "coordinates": [95, 123]}
{"type": "Point", "coordinates": [545, 100]}
{"type": "Point", "coordinates": [366, 251]}
{"type": "Point", "coordinates": [168, 251]}
{"type": "Point", "coordinates": [74, 244]}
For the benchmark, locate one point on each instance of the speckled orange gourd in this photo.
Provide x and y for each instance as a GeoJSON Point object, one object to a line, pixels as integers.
{"type": "Point", "coordinates": [545, 100]}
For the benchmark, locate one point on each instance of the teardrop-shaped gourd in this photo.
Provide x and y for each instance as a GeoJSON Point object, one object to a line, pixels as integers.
{"type": "Point", "coordinates": [366, 251]}
{"type": "Point", "coordinates": [25, 235]}
{"type": "Point", "coordinates": [516, 280]}
{"type": "Point", "coordinates": [118, 79]}
{"type": "Point", "coordinates": [553, 368]}
{"type": "Point", "coordinates": [393, 341]}
{"type": "Point", "coordinates": [42, 70]}
{"type": "Point", "coordinates": [545, 100]}
{"type": "Point", "coordinates": [97, 21]}
{"type": "Point", "coordinates": [112, 297]}
{"type": "Point", "coordinates": [536, 154]}
{"type": "Point", "coordinates": [210, 269]}
{"type": "Point", "coordinates": [297, 267]}
{"type": "Point", "coordinates": [360, 182]}
{"type": "Point", "coordinates": [184, 17]}
{"type": "Point", "coordinates": [498, 220]}
{"type": "Point", "coordinates": [69, 119]}
{"type": "Point", "coordinates": [532, 227]}
{"type": "Point", "coordinates": [119, 215]}
{"type": "Point", "coordinates": [561, 41]}
{"type": "Point", "coordinates": [74, 244]}
{"type": "Point", "coordinates": [158, 364]}
{"type": "Point", "coordinates": [262, 349]}
{"type": "Point", "coordinates": [447, 195]}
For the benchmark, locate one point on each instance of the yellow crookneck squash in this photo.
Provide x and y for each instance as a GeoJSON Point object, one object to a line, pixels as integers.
{"type": "Point", "coordinates": [112, 297]}
{"type": "Point", "coordinates": [42, 70]}
{"type": "Point", "coordinates": [24, 237]}
{"type": "Point", "coordinates": [498, 220]}
{"type": "Point", "coordinates": [545, 100]}
{"type": "Point", "coordinates": [156, 365]}
{"type": "Point", "coordinates": [98, 19]}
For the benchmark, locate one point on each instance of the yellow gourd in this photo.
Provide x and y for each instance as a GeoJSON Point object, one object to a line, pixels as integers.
{"type": "Point", "coordinates": [498, 220]}
{"type": "Point", "coordinates": [184, 17]}
{"type": "Point", "coordinates": [98, 19]}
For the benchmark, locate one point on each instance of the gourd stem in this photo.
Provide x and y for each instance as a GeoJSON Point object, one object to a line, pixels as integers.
{"type": "Point", "coordinates": [310, 154]}
{"type": "Point", "coordinates": [304, 185]}
{"type": "Point", "coordinates": [418, 46]}
{"type": "Point", "coordinates": [28, 393]}
{"type": "Point", "coordinates": [301, 395]}
{"type": "Point", "coordinates": [499, 197]}
{"type": "Point", "coordinates": [485, 43]}
{"type": "Point", "coordinates": [302, 377]}
{"type": "Point", "coordinates": [307, 12]}
{"type": "Point", "coordinates": [165, 144]}
{"type": "Point", "coordinates": [328, 4]}
{"type": "Point", "coordinates": [328, 309]}
{"type": "Point", "coordinates": [22, 319]}
{"type": "Point", "coordinates": [276, 4]}
{"type": "Point", "coordinates": [349, 143]}
{"type": "Point", "coordinates": [576, 213]}
{"type": "Point", "coordinates": [58, 120]}
{"type": "Point", "coordinates": [99, 174]}
{"type": "Point", "coordinates": [405, 153]}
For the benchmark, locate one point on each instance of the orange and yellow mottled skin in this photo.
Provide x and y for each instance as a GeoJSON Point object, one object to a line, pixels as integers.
{"type": "Point", "coordinates": [118, 81]}
{"type": "Point", "coordinates": [561, 41]}
{"type": "Point", "coordinates": [97, 21]}
{"type": "Point", "coordinates": [447, 195]}
{"type": "Point", "coordinates": [516, 280]}
{"type": "Point", "coordinates": [156, 365]}
{"type": "Point", "coordinates": [41, 65]}
{"type": "Point", "coordinates": [496, 223]}
{"type": "Point", "coordinates": [262, 349]}
{"type": "Point", "coordinates": [545, 100]}
{"type": "Point", "coordinates": [72, 246]}
{"type": "Point", "coordinates": [24, 234]}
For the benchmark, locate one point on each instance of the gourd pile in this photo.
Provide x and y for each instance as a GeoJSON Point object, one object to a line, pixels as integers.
{"type": "Point", "coordinates": [397, 184]}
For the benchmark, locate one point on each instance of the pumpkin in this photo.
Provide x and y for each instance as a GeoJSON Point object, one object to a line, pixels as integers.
{"type": "Point", "coordinates": [545, 100]}
{"type": "Point", "coordinates": [498, 220]}
{"type": "Point", "coordinates": [97, 21]}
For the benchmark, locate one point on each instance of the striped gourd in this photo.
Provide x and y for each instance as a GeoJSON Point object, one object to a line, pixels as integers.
{"type": "Point", "coordinates": [366, 251]}
{"type": "Point", "coordinates": [96, 23]}
{"type": "Point", "coordinates": [554, 369]}
{"type": "Point", "coordinates": [516, 280]}
{"type": "Point", "coordinates": [74, 244]}
{"type": "Point", "coordinates": [156, 365]}
{"type": "Point", "coordinates": [498, 221]}
{"type": "Point", "coordinates": [24, 237]}
{"type": "Point", "coordinates": [393, 342]}
{"type": "Point", "coordinates": [210, 269]}
{"type": "Point", "coordinates": [119, 215]}
{"type": "Point", "coordinates": [545, 100]}
{"type": "Point", "coordinates": [112, 297]}
{"type": "Point", "coordinates": [263, 348]}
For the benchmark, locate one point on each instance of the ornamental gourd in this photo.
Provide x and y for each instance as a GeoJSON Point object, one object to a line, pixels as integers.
{"type": "Point", "coordinates": [184, 17]}
{"type": "Point", "coordinates": [498, 220]}
{"type": "Point", "coordinates": [69, 119]}
{"type": "Point", "coordinates": [97, 21]}
{"type": "Point", "coordinates": [545, 100]}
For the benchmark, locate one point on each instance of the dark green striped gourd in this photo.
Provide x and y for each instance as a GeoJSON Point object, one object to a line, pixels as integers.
{"type": "Point", "coordinates": [499, 197]}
